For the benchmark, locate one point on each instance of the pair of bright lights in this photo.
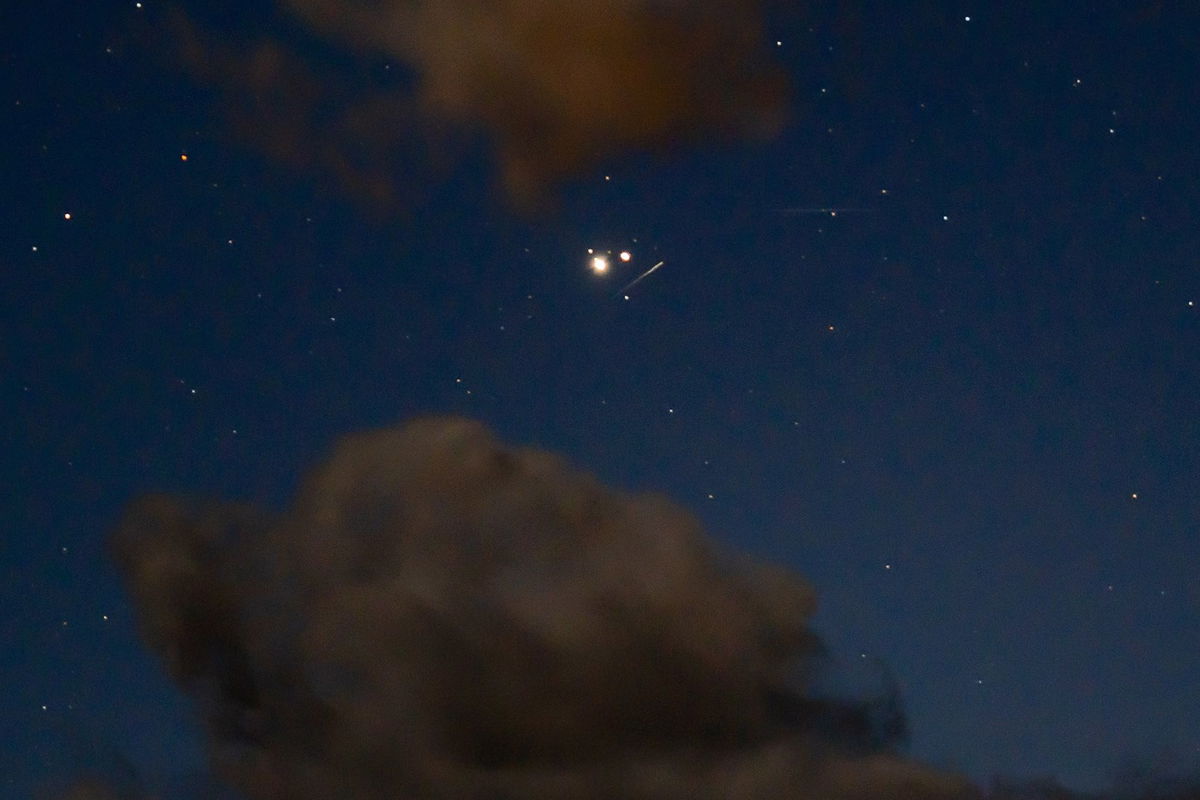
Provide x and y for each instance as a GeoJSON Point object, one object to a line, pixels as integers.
{"type": "Point", "coordinates": [600, 262]}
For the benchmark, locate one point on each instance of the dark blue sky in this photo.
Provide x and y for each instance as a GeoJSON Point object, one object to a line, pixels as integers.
{"type": "Point", "coordinates": [965, 406]}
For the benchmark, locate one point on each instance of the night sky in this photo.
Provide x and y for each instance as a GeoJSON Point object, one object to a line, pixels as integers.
{"type": "Point", "coordinates": [926, 329]}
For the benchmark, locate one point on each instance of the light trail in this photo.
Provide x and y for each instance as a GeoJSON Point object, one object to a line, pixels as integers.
{"type": "Point", "coordinates": [641, 277]}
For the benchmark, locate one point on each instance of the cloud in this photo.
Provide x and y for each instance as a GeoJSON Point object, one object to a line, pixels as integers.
{"type": "Point", "coordinates": [438, 615]}
{"type": "Point", "coordinates": [558, 86]}
{"type": "Point", "coordinates": [366, 140]}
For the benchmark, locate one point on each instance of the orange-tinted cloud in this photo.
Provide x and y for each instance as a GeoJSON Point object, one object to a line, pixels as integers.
{"type": "Point", "coordinates": [557, 86]}
{"type": "Point", "coordinates": [563, 84]}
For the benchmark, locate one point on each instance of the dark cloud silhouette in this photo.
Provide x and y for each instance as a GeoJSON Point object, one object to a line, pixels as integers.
{"type": "Point", "coordinates": [438, 615]}
{"type": "Point", "coordinates": [557, 85]}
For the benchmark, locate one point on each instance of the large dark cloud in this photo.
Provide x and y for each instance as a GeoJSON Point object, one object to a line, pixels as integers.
{"type": "Point", "coordinates": [440, 616]}
{"type": "Point", "coordinates": [557, 85]}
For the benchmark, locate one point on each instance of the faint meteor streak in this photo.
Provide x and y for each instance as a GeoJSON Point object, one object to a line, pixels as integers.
{"type": "Point", "coordinates": [639, 278]}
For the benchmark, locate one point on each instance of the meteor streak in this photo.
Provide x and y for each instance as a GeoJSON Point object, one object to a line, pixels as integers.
{"type": "Point", "coordinates": [639, 278]}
